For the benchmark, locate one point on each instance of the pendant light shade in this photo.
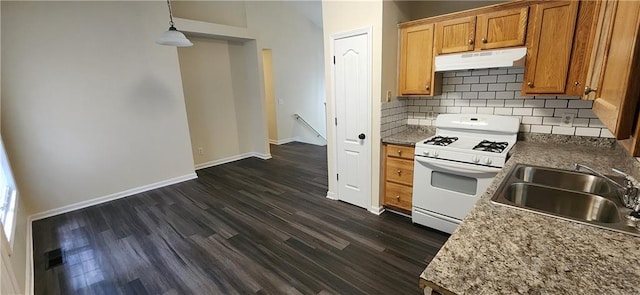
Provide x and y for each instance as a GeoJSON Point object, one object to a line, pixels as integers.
{"type": "Point", "coordinates": [173, 37]}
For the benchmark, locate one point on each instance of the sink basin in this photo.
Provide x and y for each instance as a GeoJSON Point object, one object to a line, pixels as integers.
{"type": "Point", "coordinates": [570, 204]}
{"type": "Point", "coordinates": [564, 179]}
{"type": "Point", "coordinates": [568, 195]}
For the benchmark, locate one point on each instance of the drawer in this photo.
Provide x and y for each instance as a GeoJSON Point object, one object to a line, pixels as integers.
{"type": "Point", "coordinates": [398, 195]}
{"type": "Point", "coordinates": [400, 170]}
{"type": "Point", "coordinates": [405, 152]}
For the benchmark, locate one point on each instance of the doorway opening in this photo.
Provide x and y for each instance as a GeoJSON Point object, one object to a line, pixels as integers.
{"type": "Point", "coordinates": [269, 95]}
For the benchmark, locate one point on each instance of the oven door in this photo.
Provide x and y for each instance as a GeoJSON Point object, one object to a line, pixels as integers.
{"type": "Point", "coordinates": [449, 188]}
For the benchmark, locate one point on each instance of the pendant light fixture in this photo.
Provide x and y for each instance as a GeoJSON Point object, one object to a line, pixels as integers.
{"type": "Point", "coordinates": [173, 37]}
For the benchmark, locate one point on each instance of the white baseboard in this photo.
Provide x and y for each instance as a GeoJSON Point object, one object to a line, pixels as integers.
{"type": "Point", "coordinates": [331, 195]}
{"type": "Point", "coordinates": [224, 161]}
{"type": "Point", "coordinates": [232, 159]}
{"type": "Point", "coordinates": [284, 141]}
{"type": "Point", "coordinates": [262, 156]}
{"type": "Point", "coordinates": [376, 210]}
{"type": "Point", "coordinates": [111, 197]}
{"type": "Point", "coordinates": [318, 142]}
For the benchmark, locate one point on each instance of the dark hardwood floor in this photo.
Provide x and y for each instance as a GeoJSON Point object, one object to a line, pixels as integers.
{"type": "Point", "coordinates": [247, 227]}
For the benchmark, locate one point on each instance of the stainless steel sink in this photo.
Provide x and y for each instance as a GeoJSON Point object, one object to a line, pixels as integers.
{"type": "Point", "coordinates": [564, 179]}
{"type": "Point", "coordinates": [564, 194]}
{"type": "Point", "coordinates": [570, 204]}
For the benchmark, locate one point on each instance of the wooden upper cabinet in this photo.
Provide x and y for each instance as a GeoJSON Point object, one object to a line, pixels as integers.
{"type": "Point", "coordinates": [416, 60]}
{"type": "Point", "coordinates": [617, 95]}
{"type": "Point", "coordinates": [506, 28]}
{"type": "Point", "coordinates": [549, 45]}
{"type": "Point", "coordinates": [456, 35]}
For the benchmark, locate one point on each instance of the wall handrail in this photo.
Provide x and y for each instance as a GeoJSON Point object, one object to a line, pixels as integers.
{"type": "Point", "coordinates": [305, 123]}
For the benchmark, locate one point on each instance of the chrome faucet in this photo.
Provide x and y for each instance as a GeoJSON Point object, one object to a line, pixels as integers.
{"type": "Point", "coordinates": [628, 192]}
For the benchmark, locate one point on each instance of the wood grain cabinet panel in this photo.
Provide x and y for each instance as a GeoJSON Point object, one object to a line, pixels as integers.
{"type": "Point", "coordinates": [617, 95]}
{"type": "Point", "coordinates": [398, 195]}
{"type": "Point", "coordinates": [400, 171]}
{"type": "Point", "coordinates": [549, 46]}
{"type": "Point", "coordinates": [506, 28]}
{"type": "Point", "coordinates": [400, 151]}
{"type": "Point", "coordinates": [456, 35]}
{"type": "Point", "coordinates": [416, 60]}
{"type": "Point", "coordinates": [398, 177]}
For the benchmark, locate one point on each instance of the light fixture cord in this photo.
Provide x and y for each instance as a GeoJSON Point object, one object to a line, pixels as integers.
{"type": "Point", "coordinates": [170, 13]}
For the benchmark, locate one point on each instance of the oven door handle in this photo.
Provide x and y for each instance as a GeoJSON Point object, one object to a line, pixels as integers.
{"type": "Point", "coordinates": [459, 167]}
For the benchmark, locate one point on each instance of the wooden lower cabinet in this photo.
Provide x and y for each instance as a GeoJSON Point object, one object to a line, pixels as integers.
{"type": "Point", "coordinates": [398, 195]}
{"type": "Point", "coordinates": [398, 177]}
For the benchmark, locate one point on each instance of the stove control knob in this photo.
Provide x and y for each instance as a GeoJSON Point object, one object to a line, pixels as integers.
{"type": "Point", "coordinates": [436, 154]}
{"type": "Point", "coordinates": [426, 153]}
{"type": "Point", "coordinates": [475, 159]}
{"type": "Point", "coordinates": [487, 161]}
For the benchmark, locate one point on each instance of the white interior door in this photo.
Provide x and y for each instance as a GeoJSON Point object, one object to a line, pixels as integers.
{"type": "Point", "coordinates": [352, 80]}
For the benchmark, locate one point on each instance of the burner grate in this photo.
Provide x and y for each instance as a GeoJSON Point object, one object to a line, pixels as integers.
{"type": "Point", "coordinates": [491, 146]}
{"type": "Point", "coordinates": [441, 140]}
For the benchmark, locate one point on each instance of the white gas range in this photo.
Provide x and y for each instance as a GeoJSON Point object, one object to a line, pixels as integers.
{"type": "Point", "coordinates": [453, 168]}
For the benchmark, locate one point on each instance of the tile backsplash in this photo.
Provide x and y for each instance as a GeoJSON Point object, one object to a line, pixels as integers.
{"type": "Point", "coordinates": [394, 117]}
{"type": "Point", "coordinates": [494, 91]}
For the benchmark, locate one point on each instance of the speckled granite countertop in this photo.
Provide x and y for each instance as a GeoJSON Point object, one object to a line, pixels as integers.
{"type": "Point", "coordinates": [502, 250]}
{"type": "Point", "coordinates": [412, 135]}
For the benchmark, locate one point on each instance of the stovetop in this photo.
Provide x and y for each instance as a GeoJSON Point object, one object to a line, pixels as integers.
{"type": "Point", "coordinates": [471, 138]}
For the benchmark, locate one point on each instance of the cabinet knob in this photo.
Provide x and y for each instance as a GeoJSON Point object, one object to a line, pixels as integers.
{"type": "Point", "coordinates": [399, 172]}
{"type": "Point", "coordinates": [397, 198]}
{"type": "Point", "coordinates": [576, 83]}
{"type": "Point", "coordinates": [427, 87]}
{"type": "Point", "coordinates": [588, 90]}
{"type": "Point", "coordinates": [399, 152]}
{"type": "Point", "coordinates": [470, 41]}
{"type": "Point", "coordinates": [484, 40]}
{"type": "Point", "coordinates": [530, 84]}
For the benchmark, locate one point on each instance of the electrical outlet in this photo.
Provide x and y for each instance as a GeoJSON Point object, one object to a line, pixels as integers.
{"type": "Point", "coordinates": [567, 120]}
{"type": "Point", "coordinates": [200, 151]}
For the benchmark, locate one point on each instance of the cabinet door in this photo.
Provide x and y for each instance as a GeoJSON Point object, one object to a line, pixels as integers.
{"type": "Point", "coordinates": [617, 96]}
{"type": "Point", "coordinates": [400, 171]}
{"type": "Point", "coordinates": [398, 195]}
{"type": "Point", "coordinates": [456, 35]}
{"type": "Point", "coordinates": [549, 45]}
{"type": "Point", "coordinates": [416, 60]}
{"type": "Point", "coordinates": [505, 28]}
{"type": "Point", "coordinates": [600, 42]}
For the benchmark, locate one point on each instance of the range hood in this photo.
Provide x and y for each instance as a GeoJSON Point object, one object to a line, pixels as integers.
{"type": "Point", "coordinates": [512, 57]}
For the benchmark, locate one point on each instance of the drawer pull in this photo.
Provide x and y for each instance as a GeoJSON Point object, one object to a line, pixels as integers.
{"type": "Point", "coordinates": [399, 172]}
{"type": "Point", "coordinates": [399, 152]}
{"type": "Point", "coordinates": [397, 198]}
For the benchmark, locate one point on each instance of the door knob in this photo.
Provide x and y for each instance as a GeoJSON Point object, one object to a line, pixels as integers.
{"type": "Point", "coordinates": [361, 136]}
{"type": "Point", "coordinates": [588, 90]}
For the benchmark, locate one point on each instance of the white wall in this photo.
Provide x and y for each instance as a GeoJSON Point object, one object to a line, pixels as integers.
{"type": "Point", "coordinates": [393, 13]}
{"type": "Point", "coordinates": [210, 99]}
{"type": "Point", "coordinates": [13, 262]}
{"type": "Point", "coordinates": [230, 12]}
{"type": "Point", "coordinates": [343, 16]}
{"type": "Point", "coordinates": [91, 105]}
{"type": "Point", "coordinates": [422, 9]}
{"type": "Point", "coordinates": [291, 30]}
